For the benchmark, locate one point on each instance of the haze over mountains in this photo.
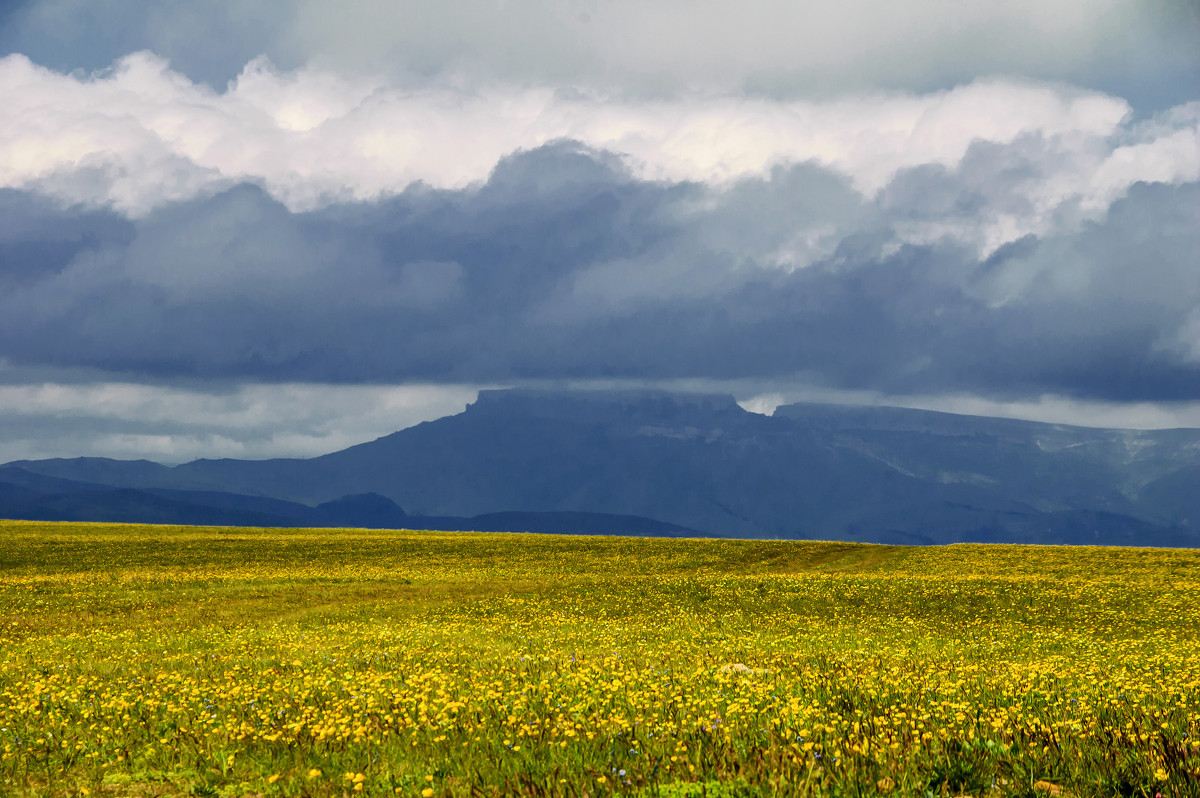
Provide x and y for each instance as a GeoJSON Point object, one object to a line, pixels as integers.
{"type": "Point", "coordinates": [674, 464]}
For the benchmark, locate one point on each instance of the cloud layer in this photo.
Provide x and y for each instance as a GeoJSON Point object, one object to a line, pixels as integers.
{"type": "Point", "coordinates": [1141, 49]}
{"type": "Point", "coordinates": [139, 136]}
{"type": "Point", "coordinates": [564, 264]}
{"type": "Point", "coordinates": [179, 423]}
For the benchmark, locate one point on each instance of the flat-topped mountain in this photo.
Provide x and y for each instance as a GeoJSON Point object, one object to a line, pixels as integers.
{"type": "Point", "coordinates": [692, 463]}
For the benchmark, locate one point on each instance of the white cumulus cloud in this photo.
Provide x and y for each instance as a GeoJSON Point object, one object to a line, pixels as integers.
{"type": "Point", "coordinates": [140, 135]}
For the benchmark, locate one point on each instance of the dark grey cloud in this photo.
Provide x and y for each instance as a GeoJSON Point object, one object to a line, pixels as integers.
{"type": "Point", "coordinates": [565, 266]}
{"type": "Point", "coordinates": [38, 239]}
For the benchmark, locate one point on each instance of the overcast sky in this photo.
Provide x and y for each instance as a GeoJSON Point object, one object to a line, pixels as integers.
{"type": "Point", "coordinates": [280, 228]}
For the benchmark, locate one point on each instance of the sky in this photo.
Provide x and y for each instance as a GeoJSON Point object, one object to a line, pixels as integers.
{"type": "Point", "coordinates": [277, 229]}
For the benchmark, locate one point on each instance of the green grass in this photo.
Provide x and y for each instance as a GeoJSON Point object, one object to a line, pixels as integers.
{"type": "Point", "coordinates": [140, 660]}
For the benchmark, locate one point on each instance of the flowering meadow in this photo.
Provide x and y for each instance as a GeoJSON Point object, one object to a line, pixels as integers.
{"type": "Point", "coordinates": [156, 660]}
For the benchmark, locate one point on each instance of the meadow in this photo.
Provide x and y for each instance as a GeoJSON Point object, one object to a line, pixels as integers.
{"type": "Point", "coordinates": [148, 660]}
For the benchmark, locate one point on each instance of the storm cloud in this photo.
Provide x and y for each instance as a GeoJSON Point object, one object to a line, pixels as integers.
{"type": "Point", "coordinates": [564, 264]}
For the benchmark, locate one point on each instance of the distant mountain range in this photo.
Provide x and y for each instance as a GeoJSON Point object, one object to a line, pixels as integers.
{"type": "Point", "coordinates": [654, 463]}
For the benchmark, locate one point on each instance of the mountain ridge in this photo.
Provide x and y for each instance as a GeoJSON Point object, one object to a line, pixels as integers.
{"type": "Point", "coordinates": [702, 463]}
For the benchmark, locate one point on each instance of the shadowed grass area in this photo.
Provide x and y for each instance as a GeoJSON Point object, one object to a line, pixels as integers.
{"type": "Point", "coordinates": [147, 660]}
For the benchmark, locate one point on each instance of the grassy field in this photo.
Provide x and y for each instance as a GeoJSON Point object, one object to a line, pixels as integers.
{"type": "Point", "coordinates": [138, 660]}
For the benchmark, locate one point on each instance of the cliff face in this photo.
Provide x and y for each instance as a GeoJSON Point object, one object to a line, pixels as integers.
{"type": "Point", "coordinates": [701, 462]}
